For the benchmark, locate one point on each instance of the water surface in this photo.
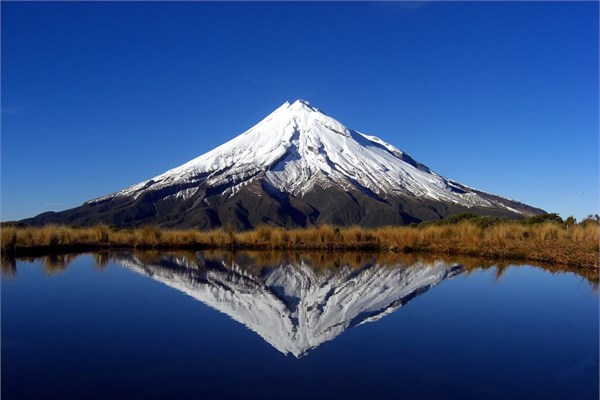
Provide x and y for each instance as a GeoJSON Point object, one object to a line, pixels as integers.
{"type": "Point", "coordinates": [130, 325]}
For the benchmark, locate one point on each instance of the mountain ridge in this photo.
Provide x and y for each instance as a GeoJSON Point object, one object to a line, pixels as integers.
{"type": "Point", "coordinates": [296, 167]}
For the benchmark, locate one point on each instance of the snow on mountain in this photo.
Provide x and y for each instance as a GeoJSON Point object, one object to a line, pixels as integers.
{"type": "Point", "coordinates": [298, 167]}
{"type": "Point", "coordinates": [295, 307]}
{"type": "Point", "coordinates": [296, 147]}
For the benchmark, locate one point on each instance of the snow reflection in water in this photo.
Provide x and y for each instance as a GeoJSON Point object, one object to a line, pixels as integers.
{"type": "Point", "coordinates": [293, 304]}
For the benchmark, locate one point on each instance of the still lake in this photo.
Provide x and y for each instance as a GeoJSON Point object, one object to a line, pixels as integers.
{"type": "Point", "coordinates": [154, 325]}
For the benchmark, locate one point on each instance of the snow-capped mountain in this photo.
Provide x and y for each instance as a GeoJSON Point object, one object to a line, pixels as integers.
{"type": "Point", "coordinates": [294, 307]}
{"type": "Point", "coordinates": [296, 167]}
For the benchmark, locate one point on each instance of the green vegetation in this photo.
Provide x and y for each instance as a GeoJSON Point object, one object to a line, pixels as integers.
{"type": "Point", "coordinates": [545, 238]}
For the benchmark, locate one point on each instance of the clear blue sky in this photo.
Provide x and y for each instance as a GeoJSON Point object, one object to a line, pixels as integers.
{"type": "Point", "coordinates": [499, 96]}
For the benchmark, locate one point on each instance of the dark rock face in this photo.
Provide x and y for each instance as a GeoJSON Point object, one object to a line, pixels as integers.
{"type": "Point", "coordinates": [260, 204]}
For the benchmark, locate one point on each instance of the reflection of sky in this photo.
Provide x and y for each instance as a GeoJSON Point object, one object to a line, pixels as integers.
{"type": "Point", "coordinates": [100, 332]}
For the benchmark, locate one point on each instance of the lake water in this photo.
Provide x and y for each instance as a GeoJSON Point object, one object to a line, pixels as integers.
{"type": "Point", "coordinates": [132, 325]}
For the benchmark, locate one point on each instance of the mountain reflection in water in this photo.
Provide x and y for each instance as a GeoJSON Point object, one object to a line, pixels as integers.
{"type": "Point", "coordinates": [294, 305]}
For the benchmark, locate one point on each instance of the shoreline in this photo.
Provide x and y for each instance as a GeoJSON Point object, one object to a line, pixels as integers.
{"type": "Point", "coordinates": [552, 243]}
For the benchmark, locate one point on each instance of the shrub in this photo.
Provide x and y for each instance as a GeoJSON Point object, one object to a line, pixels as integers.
{"type": "Point", "coordinates": [539, 219]}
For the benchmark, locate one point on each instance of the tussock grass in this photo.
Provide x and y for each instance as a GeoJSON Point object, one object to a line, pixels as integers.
{"type": "Point", "coordinates": [549, 242]}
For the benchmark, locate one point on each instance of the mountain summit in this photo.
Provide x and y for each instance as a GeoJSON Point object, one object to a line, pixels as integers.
{"type": "Point", "coordinates": [296, 167]}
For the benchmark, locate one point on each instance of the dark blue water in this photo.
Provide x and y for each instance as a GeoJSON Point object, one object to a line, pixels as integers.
{"type": "Point", "coordinates": [145, 327]}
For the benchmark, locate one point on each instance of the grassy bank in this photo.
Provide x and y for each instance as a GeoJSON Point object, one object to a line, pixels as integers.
{"type": "Point", "coordinates": [551, 242]}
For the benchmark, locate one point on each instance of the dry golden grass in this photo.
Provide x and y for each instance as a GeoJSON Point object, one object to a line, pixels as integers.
{"type": "Point", "coordinates": [549, 242]}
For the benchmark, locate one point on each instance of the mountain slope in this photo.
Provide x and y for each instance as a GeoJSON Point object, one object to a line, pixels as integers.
{"type": "Point", "coordinates": [297, 167]}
